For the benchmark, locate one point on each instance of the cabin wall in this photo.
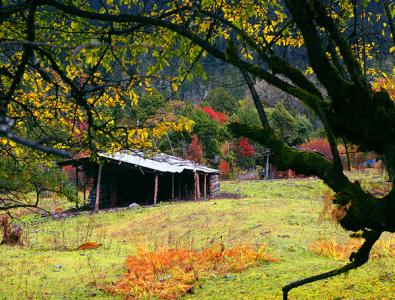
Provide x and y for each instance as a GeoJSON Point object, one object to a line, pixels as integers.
{"type": "Point", "coordinates": [121, 186]}
{"type": "Point", "coordinates": [214, 184]}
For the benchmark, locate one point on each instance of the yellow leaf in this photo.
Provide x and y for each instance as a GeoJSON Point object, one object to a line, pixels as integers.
{"type": "Point", "coordinates": [309, 71]}
{"type": "Point", "coordinates": [133, 98]}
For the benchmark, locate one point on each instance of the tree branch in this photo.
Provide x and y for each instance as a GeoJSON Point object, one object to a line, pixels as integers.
{"type": "Point", "coordinates": [256, 99]}
{"type": "Point", "coordinates": [34, 144]}
{"type": "Point", "coordinates": [285, 157]}
{"type": "Point", "coordinates": [304, 95]}
{"type": "Point", "coordinates": [328, 75]}
{"type": "Point", "coordinates": [357, 259]}
{"type": "Point", "coordinates": [352, 64]}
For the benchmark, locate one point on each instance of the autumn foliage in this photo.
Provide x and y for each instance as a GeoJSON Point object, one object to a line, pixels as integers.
{"type": "Point", "coordinates": [88, 246]}
{"type": "Point", "coordinates": [319, 145]}
{"type": "Point", "coordinates": [245, 148]}
{"type": "Point", "coordinates": [195, 152]}
{"type": "Point", "coordinates": [11, 234]}
{"type": "Point", "coordinates": [215, 115]}
{"type": "Point", "coordinates": [169, 274]}
{"type": "Point", "coordinates": [386, 83]}
{"type": "Point", "coordinates": [342, 251]}
{"type": "Point", "coordinates": [224, 167]}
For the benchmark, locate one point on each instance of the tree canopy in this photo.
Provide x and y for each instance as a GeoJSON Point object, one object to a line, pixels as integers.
{"type": "Point", "coordinates": [221, 100]}
{"type": "Point", "coordinates": [67, 65]}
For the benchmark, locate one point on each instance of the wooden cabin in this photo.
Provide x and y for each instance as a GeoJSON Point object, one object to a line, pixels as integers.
{"type": "Point", "coordinates": [134, 177]}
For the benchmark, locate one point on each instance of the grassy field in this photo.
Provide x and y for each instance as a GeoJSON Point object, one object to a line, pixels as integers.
{"type": "Point", "coordinates": [279, 214]}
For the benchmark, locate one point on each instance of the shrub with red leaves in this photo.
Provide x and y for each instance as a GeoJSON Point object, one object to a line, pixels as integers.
{"type": "Point", "coordinates": [195, 152]}
{"type": "Point", "coordinates": [246, 149]}
{"type": "Point", "coordinates": [215, 115]}
{"type": "Point", "coordinates": [319, 145]}
{"type": "Point", "coordinates": [224, 167]}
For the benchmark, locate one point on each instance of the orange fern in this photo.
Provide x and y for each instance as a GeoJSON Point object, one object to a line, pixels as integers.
{"type": "Point", "coordinates": [88, 246]}
{"type": "Point", "coordinates": [169, 274]}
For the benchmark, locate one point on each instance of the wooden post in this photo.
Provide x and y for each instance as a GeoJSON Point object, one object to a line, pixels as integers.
{"type": "Point", "coordinates": [211, 184]}
{"type": "Point", "coordinates": [197, 186]}
{"type": "Point", "coordinates": [76, 185]}
{"type": "Point", "coordinates": [53, 206]}
{"type": "Point", "coordinates": [84, 186]}
{"type": "Point", "coordinates": [97, 202]}
{"type": "Point", "coordinates": [172, 186]}
{"type": "Point", "coordinates": [205, 186]}
{"type": "Point", "coordinates": [194, 185]}
{"type": "Point", "coordinates": [267, 168]}
{"type": "Point", "coordinates": [156, 188]}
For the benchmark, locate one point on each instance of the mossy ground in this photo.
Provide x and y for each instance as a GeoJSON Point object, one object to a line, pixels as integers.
{"type": "Point", "coordinates": [281, 214]}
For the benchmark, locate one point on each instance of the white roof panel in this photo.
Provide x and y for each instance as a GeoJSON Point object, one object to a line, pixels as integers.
{"type": "Point", "coordinates": [159, 161]}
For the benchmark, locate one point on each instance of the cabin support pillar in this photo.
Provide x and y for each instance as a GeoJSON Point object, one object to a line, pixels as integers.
{"type": "Point", "coordinates": [76, 185]}
{"type": "Point", "coordinates": [194, 185]}
{"type": "Point", "coordinates": [267, 167]}
{"type": "Point", "coordinates": [156, 188]}
{"type": "Point", "coordinates": [97, 202]}
{"type": "Point", "coordinates": [84, 186]}
{"type": "Point", "coordinates": [197, 186]}
{"type": "Point", "coordinates": [205, 186]}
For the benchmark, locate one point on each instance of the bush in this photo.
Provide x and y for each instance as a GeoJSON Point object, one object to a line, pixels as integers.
{"type": "Point", "coordinates": [319, 145]}
{"type": "Point", "coordinates": [169, 274]}
{"type": "Point", "coordinates": [221, 100]}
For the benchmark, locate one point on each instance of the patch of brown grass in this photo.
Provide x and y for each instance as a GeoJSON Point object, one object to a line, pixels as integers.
{"type": "Point", "coordinates": [169, 274]}
{"type": "Point", "coordinates": [385, 247]}
{"type": "Point", "coordinates": [334, 249]}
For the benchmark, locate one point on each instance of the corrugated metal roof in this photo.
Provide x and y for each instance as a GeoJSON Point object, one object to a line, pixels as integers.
{"type": "Point", "coordinates": [160, 162]}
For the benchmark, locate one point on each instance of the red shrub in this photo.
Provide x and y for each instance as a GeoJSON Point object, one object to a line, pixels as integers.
{"type": "Point", "coordinates": [224, 167]}
{"type": "Point", "coordinates": [319, 145]}
{"type": "Point", "coordinates": [245, 148]}
{"type": "Point", "coordinates": [215, 115]}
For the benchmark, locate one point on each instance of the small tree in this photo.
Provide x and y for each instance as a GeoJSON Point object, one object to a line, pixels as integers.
{"type": "Point", "coordinates": [194, 151]}
{"type": "Point", "coordinates": [224, 167]}
{"type": "Point", "coordinates": [27, 174]}
{"type": "Point", "coordinates": [221, 100]}
{"type": "Point", "coordinates": [246, 153]}
{"type": "Point", "coordinates": [211, 133]}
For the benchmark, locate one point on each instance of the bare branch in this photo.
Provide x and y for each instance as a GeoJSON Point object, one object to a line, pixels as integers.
{"type": "Point", "coordinates": [34, 144]}
{"type": "Point", "coordinates": [357, 259]}
{"type": "Point", "coordinates": [256, 99]}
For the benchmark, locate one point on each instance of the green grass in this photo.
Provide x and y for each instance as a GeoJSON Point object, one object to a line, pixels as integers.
{"type": "Point", "coordinates": [281, 214]}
